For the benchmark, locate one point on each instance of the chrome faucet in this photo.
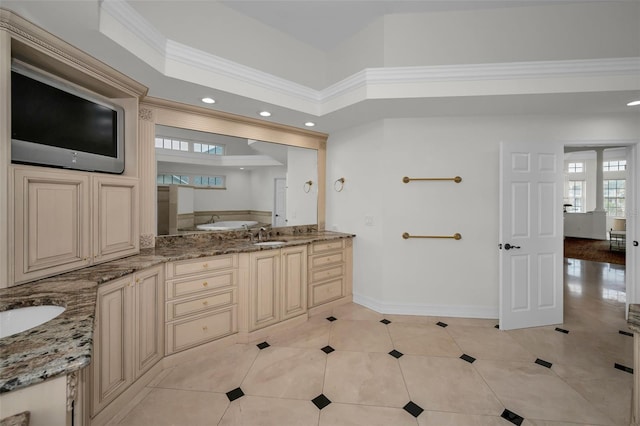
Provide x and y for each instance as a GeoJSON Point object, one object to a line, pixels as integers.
{"type": "Point", "coordinates": [246, 228]}
{"type": "Point", "coordinates": [262, 234]}
{"type": "Point", "coordinates": [212, 216]}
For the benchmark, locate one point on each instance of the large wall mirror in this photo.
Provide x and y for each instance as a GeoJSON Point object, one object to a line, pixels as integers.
{"type": "Point", "coordinates": [214, 170]}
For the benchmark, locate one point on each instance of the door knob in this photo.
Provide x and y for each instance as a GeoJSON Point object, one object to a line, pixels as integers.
{"type": "Point", "coordinates": [509, 247]}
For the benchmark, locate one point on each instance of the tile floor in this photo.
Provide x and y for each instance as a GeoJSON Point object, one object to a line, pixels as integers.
{"type": "Point", "coordinates": [364, 368]}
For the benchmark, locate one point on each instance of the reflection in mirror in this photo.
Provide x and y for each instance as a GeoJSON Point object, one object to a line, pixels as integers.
{"type": "Point", "coordinates": [217, 182]}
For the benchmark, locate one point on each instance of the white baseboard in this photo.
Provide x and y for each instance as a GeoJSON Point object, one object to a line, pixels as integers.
{"type": "Point", "coordinates": [461, 311]}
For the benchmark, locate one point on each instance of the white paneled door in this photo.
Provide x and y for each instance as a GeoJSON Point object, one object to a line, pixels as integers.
{"type": "Point", "coordinates": [280, 203]}
{"type": "Point", "coordinates": [531, 234]}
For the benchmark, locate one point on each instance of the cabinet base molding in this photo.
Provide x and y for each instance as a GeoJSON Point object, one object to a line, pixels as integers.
{"type": "Point", "coordinates": [263, 333]}
{"type": "Point", "coordinates": [317, 310]}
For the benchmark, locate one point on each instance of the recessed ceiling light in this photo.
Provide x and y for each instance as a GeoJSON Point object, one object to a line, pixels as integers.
{"type": "Point", "coordinates": [309, 124]}
{"type": "Point", "coordinates": [208, 100]}
{"type": "Point", "coordinates": [265, 113]}
{"type": "Point", "coordinates": [634, 103]}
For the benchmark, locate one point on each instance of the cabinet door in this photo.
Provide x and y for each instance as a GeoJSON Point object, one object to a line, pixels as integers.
{"type": "Point", "coordinates": [111, 366]}
{"type": "Point", "coordinates": [115, 218]}
{"type": "Point", "coordinates": [264, 288]}
{"type": "Point", "coordinates": [294, 281]}
{"type": "Point", "coordinates": [148, 326]}
{"type": "Point", "coordinates": [51, 216]}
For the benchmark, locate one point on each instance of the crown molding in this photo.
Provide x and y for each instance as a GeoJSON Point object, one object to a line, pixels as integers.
{"type": "Point", "coordinates": [134, 22]}
{"type": "Point", "coordinates": [396, 81]}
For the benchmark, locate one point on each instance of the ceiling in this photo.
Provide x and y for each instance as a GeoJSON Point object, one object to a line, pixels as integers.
{"type": "Point", "coordinates": [323, 25]}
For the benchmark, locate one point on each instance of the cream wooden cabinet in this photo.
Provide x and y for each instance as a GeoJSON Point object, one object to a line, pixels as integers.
{"type": "Point", "coordinates": [148, 326]}
{"type": "Point", "coordinates": [115, 217]}
{"type": "Point", "coordinates": [112, 363]}
{"type": "Point", "coordinates": [330, 271]}
{"type": "Point", "coordinates": [201, 301]}
{"type": "Point", "coordinates": [65, 220]}
{"type": "Point", "coordinates": [128, 338]}
{"type": "Point", "coordinates": [51, 223]}
{"type": "Point", "coordinates": [277, 285]}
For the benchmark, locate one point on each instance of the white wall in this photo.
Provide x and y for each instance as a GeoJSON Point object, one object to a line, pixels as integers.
{"type": "Point", "coordinates": [435, 277]}
{"type": "Point", "coordinates": [511, 34]}
{"type": "Point", "coordinates": [302, 166]}
{"type": "Point", "coordinates": [262, 186]}
{"type": "Point", "coordinates": [237, 196]}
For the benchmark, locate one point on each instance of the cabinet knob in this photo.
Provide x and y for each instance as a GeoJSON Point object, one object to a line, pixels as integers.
{"type": "Point", "coordinates": [204, 284]}
{"type": "Point", "coordinates": [137, 280]}
{"type": "Point", "coordinates": [204, 328]}
{"type": "Point", "coordinates": [205, 303]}
{"type": "Point", "coordinates": [205, 265]}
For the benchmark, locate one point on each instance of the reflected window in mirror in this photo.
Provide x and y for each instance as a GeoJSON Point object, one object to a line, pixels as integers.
{"type": "Point", "coordinates": [263, 181]}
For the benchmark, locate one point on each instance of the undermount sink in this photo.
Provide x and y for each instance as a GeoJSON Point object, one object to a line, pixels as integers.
{"type": "Point", "coordinates": [21, 319]}
{"type": "Point", "coordinates": [269, 243]}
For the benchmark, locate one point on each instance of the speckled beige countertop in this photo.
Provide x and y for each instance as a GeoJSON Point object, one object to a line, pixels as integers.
{"type": "Point", "coordinates": [633, 321]}
{"type": "Point", "coordinates": [64, 344]}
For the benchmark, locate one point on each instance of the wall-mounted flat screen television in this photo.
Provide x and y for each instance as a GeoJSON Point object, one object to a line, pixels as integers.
{"type": "Point", "coordinates": [58, 124]}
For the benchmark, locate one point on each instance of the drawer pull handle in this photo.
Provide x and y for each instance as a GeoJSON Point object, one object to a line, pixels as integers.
{"type": "Point", "coordinates": [204, 284]}
{"type": "Point", "coordinates": [205, 303]}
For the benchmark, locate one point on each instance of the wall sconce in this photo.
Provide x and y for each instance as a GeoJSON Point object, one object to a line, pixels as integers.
{"type": "Point", "coordinates": [307, 186]}
{"type": "Point", "coordinates": [338, 185]}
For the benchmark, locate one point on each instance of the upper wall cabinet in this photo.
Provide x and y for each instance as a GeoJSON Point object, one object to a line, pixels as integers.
{"type": "Point", "coordinates": [67, 220]}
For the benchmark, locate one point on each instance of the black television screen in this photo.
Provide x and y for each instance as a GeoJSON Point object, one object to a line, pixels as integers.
{"type": "Point", "coordinates": [56, 124]}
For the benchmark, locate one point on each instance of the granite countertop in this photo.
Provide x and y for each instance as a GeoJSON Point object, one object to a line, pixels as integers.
{"type": "Point", "coordinates": [64, 344]}
{"type": "Point", "coordinates": [633, 321]}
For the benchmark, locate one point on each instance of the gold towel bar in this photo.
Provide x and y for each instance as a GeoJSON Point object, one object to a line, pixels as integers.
{"type": "Point", "coordinates": [455, 236]}
{"type": "Point", "coordinates": [456, 179]}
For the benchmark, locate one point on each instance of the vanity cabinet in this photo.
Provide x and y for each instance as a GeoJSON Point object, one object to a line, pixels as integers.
{"type": "Point", "coordinates": [66, 220]}
{"type": "Point", "coordinates": [277, 285]}
{"type": "Point", "coordinates": [128, 338]}
{"type": "Point", "coordinates": [330, 274]}
{"type": "Point", "coordinates": [201, 301]}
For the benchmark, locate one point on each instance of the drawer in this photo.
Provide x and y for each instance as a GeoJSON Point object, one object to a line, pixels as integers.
{"type": "Point", "coordinates": [316, 275]}
{"type": "Point", "coordinates": [185, 307]}
{"type": "Point", "coordinates": [325, 292]}
{"type": "Point", "coordinates": [205, 264]}
{"type": "Point", "coordinates": [327, 259]}
{"type": "Point", "coordinates": [201, 284]}
{"type": "Point", "coordinates": [183, 334]}
{"type": "Point", "coordinates": [322, 246]}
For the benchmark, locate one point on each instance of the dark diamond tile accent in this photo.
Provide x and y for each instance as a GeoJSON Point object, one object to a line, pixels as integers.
{"type": "Point", "coordinates": [331, 319]}
{"type": "Point", "coordinates": [512, 417]}
{"type": "Point", "coordinates": [263, 345]}
{"type": "Point", "coordinates": [442, 324]}
{"type": "Point", "coordinates": [562, 330]}
{"type": "Point", "coordinates": [385, 321]}
{"type": "Point", "coordinates": [235, 394]}
{"type": "Point", "coordinates": [497, 326]}
{"type": "Point", "coordinates": [626, 333]}
{"type": "Point", "coordinates": [321, 401]}
{"type": "Point", "coordinates": [623, 368]}
{"type": "Point", "coordinates": [327, 349]}
{"type": "Point", "coordinates": [467, 358]}
{"type": "Point", "coordinates": [414, 409]}
{"type": "Point", "coordinates": [543, 363]}
{"type": "Point", "coordinates": [396, 354]}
